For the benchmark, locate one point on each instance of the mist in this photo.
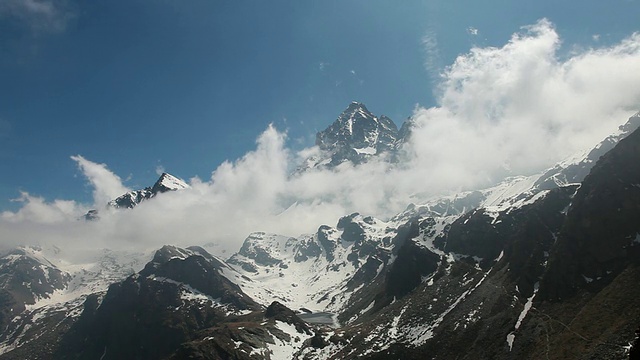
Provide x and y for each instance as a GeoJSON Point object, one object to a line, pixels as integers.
{"type": "Point", "coordinates": [502, 111]}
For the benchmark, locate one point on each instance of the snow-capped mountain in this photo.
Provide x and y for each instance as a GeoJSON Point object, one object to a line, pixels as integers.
{"type": "Point", "coordinates": [356, 136]}
{"type": "Point", "coordinates": [542, 266]}
{"type": "Point", "coordinates": [166, 182]}
{"type": "Point", "coordinates": [317, 272]}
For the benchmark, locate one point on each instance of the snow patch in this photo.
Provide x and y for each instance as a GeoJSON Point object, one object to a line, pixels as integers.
{"type": "Point", "coordinates": [367, 150]}
{"type": "Point", "coordinates": [527, 306]}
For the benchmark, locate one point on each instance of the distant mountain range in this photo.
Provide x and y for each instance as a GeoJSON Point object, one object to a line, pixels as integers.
{"type": "Point", "coordinates": [536, 267]}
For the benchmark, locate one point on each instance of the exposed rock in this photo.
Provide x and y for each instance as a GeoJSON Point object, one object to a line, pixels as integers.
{"type": "Point", "coordinates": [282, 313]}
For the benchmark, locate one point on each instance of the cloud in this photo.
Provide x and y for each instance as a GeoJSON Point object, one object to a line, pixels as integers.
{"type": "Point", "coordinates": [523, 106]}
{"type": "Point", "coordinates": [106, 185]}
{"type": "Point", "coordinates": [432, 62]}
{"type": "Point", "coordinates": [160, 169]}
{"type": "Point", "coordinates": [510, 110]}
{"type": "Point", "coordinates": [36, 209]}
{"type": "Point", "coordinates": [39, 15]}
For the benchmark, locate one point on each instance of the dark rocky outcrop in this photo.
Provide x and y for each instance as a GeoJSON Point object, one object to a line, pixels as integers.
{"type": "Point", "coordinates": [279, 312]}
{"type": "Point", "coordinates": [600, 235]}
{"type": "Point", "coordinates": [23, 280]}
{"type": "Point", "coordinates": [326, 242]}
{"type": "Point", "coordinates": [414, 263]}
{"type": "Point", "coordinates": [150, 314]}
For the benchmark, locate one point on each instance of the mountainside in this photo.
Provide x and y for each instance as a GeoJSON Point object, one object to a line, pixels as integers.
{"type": "Point", "coordinates": [536, 267]}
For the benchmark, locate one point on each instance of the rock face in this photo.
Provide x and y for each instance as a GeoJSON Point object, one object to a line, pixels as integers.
{"type": "Point", "coordinates": [24, 279]}
{"type": "Point", "coordinates": [150, 314]}
{"type": "Point", "coordinates": [601, 236]}
{"type": "Point", "coordinates": [279, 312]}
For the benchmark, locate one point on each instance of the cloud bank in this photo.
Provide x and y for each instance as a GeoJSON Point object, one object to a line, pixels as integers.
{"type": "Point", "coordinates": [510, 110]}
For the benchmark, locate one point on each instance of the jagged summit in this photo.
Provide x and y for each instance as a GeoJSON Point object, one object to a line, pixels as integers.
{"type": "Point", "coordinates": [355, 136]}
{"type": "Point", "coordinates": [165, 183]}
{"type": "Point", "coordinates": [168, 182]}
{"type": "Point", "coordinates": [359, 129]}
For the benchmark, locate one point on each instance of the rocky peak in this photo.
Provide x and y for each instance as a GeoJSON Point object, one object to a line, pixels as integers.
{"type": "Point", "coordinates": [168, 182]}
{"type": "Point", "coordinates": [165, 183]}
{"type": "Point", "coordinates": [357, 135]}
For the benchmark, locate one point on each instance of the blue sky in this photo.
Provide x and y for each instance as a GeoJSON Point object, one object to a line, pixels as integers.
{"type": "Point", "coordinates": [185, 85]}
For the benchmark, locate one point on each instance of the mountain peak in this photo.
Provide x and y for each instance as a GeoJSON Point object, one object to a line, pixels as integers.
{"type": "Point", "coordinates": [165, 183]}
{"type": "Point", "coordinates": [168, 182]}
{"type": "Point", "coordinates": [355, 136]}
{"type": "Point", "coordinates": [356, 105]}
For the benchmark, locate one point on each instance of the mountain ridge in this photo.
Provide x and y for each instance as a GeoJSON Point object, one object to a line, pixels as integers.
{"type": "Point", "coordinates": [482, 274]}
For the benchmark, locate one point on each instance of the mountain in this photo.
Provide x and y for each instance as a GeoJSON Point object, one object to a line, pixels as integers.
{"type": "Point", "coordinates": [165, 183]}
{"type": "Point", "coordinates": [536, 267]}
{"type": "Point", "coordinates": [356, 136]}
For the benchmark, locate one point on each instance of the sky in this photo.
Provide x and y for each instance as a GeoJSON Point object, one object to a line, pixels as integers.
{"type": "Point", "coordinates": [98, 97]}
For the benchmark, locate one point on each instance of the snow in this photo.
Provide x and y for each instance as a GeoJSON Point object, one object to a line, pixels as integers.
{"type": "Point", "coordinates": [367, 150]}
{"type": "Point", "coordinates": [104, 268]}
{"type": "Point", "coordinates": [438, 229]}
{"type": "Point", "coordinates": [509, 194]}
{"type": "Point", "coordinates": [282, 349]}
{"type": "Point", "coordinates": [369, 307]}
{"type": "Point", "coordinates": [172, 183]}
{"type": "Point", "coordinates": [418, 334]}
{"type": "Point", "coordinates": [316, 283]}
{"type": "Point", "coordinates": [525, 310]}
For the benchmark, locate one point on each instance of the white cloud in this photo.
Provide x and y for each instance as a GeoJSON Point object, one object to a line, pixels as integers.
{"type": "Point", "coordinates": [159, 169]}
{"type": "Point", "coordinates": [106, 185]}
{"type": "Point", "coordinates": [36, 209]}
{"type": "Point", "coordinates": [515, 109]}
{"type": "Point", "coordinates": [521, 105]}
{"type": "Point", "coordinates": [432, 60]}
